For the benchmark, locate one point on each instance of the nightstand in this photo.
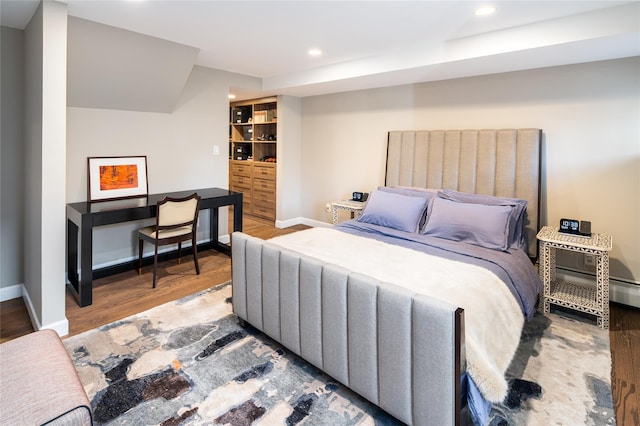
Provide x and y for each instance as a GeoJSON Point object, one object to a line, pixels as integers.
{"type": "Point", "coordinates": [584, 298]}
{"type": "Point", "coordinates": [355, 207]}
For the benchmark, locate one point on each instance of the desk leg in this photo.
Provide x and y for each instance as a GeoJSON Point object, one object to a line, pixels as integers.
{"type": "Point", "coordinates": [80, 285]}
{"type": "Point", "coordinates": [86, 262]}
{"type": "Point", "coordinates": [237, 216]}
{"type": "Point", "coordinates": [72, 255]}
{"type": "Point", "coordinates": [214, 226]}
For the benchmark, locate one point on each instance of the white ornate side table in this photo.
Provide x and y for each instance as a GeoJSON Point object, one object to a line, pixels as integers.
{"type": "Point", "coordinates": [574, 295]}
{"type": "Point", "coordinates": [355, 207]}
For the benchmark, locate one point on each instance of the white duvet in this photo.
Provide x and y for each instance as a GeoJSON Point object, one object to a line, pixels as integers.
{"type": "Point", "coordinates": [493, 319]}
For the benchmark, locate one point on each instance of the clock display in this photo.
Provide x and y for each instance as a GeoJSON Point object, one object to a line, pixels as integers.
{"type": "Point", "coordinates": [570, 226]}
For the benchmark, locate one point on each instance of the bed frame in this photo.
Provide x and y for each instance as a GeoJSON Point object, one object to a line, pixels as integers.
{"type": "Point", "coordinates": [341, 321]}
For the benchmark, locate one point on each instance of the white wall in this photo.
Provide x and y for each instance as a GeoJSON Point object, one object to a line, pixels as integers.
{"type": "Point", "coordinates": [45, 138]}
{"type": "Point", "coordinates": [178, 146]}
{"type": "Point", "coordinates": [288, 204]}
{"type": "Point", "coordinates": [589, 113]}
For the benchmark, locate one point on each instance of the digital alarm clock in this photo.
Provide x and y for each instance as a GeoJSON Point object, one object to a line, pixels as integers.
{"type": "Point", "coordinates": [360, 196]}
{"type": "Point", "coordinates": [575, 227]}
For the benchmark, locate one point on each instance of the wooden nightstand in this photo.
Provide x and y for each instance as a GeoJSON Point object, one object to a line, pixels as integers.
{"type": "Point", "coordinates": [569, 294]}
{"type": "Point", "coordinates": [355, 207]}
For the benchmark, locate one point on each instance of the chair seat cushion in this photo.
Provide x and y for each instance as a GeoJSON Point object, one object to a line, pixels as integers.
{"type": "Point", "coordinates": [150, 231]}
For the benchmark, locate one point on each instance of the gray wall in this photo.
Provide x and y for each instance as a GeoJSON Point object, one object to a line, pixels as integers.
{"type": "Point", "coordinates": [12, 167]}
{"type": "Point", "coordinates": [589, 113]}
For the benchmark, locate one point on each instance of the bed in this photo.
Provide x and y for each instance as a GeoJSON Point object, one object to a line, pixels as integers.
{"type": "Point", "coordinates": [418, 304]}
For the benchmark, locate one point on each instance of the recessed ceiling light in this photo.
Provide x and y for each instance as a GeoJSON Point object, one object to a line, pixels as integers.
{"type": "Point", "coordinates": [483, 11]}
{"type": "Point", "coordinates": [232, 96]}
{"type": "Point", "coordinates": [315, 52]}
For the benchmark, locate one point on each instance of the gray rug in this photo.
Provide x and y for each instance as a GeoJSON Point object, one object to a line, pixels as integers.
{"type": "Point", "coordinates": [561, 374]}
{"type": "Point", "coordinates": [189, 363]}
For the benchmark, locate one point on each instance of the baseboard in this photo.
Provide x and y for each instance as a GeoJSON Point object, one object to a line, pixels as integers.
{"type": "Point", "coordinates": [11, 292]}
{"type": "Point", "coordinates": [620, 291]}
{"type": "Point", "coordinates": [302, 221]}
{"type": "Point", "coordinates": [60, 327]}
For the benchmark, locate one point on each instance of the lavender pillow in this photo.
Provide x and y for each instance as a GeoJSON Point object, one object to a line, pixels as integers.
{"type": "Point", "coordinates": [413, 191]}
{"type": "Point", "coordinates": [395, 211]}
{"type": "Point", "coordinates": [517, 235]}
{"type": "Point", "coordinates": [478, 224]}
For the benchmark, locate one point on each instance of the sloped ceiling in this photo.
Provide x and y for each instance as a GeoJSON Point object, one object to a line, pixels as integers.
{"type": "Point", "coordinates": [113, 68]}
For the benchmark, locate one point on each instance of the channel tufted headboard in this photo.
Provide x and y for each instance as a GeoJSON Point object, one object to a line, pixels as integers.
{"type": "Point", "coordinates": [502, 162]}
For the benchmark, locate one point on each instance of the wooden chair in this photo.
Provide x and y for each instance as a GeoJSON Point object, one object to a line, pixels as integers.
{"type": "Point", "coordinates": [176, 221]}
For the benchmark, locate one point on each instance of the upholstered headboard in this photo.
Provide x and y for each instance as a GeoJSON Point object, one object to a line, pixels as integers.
{"type": "Point", "coordinates": [504, 163]}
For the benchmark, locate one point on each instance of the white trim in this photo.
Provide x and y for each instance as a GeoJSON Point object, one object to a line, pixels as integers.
{"type": "Point", "coordinates": [11, 292]}
{"type": "Point", "coordinates": [302, 221]}
{"type": "Point", "coordinates": [60, 327]}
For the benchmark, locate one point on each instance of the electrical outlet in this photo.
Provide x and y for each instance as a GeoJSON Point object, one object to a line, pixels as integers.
{"type": "Point", "coordinates": [589, 260]}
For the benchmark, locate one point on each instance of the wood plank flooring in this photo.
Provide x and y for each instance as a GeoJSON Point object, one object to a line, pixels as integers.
{"type": "Point", "coordinates": [125, 294]}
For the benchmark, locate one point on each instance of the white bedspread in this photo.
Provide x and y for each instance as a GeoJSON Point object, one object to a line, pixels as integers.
{"type": "Point", "coordinates": [493, 319]}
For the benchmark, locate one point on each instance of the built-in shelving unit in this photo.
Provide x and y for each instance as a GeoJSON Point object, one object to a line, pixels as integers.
{"type": "Point", "coordinates": [253, 140]}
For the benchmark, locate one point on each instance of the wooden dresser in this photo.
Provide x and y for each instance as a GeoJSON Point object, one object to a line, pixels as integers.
{"type": "Point", "coordinates": [257, 182]}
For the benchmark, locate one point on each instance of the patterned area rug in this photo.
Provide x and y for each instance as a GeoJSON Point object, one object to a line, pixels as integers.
{"type": "Point", "coordinates": [188, 362]}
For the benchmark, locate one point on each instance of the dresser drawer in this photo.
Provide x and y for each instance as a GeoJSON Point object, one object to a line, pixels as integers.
{"type": "Point", "coordinates": [242, 182]}
{"type": "Point", "coordinates": [267, 212]}
{"type": "Point", "coordinates": [241, 169]}
{"type": "Point", "coordinates": [264, 171]}
{"type": "Point", "coordinates": [246, 191]}
{"type": "Point", "coordinates": [264, 185]}
{"type": "Point", "coordinates": [263, 197]}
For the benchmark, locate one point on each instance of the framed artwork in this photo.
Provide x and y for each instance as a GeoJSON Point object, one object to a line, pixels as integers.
{"type": "Point", "coordinates": [112, 178]}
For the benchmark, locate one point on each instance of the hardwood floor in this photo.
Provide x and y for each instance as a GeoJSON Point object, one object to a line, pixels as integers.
{"type": "Point", "coordinates": [624, 334]}
{"type": "Point", "coordinates": [125, 294]}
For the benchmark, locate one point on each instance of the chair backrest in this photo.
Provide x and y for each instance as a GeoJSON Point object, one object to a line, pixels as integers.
{"type": "Point", "coordinates": [174, 212]}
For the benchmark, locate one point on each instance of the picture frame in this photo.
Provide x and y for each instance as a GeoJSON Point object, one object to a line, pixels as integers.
{"type": "Point", "coordinates": [113, 178]}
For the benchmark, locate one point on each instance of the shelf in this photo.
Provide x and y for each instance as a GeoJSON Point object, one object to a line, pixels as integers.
{"type": "Point", "coordinates": [575, 296]}
{"type": "Point", "coordinates": [253, 140]}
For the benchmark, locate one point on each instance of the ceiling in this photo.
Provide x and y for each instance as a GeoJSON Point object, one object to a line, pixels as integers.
{"type": "Point", "coordinates": [367, 44]}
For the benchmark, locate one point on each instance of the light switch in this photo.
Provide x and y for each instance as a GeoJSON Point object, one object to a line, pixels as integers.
{"type": "Point", "coordinates": [216, 150]}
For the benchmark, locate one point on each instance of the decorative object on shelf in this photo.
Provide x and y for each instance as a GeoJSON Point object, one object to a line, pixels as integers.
{"type": "Point", "coordinates": [580, 297]}
{"type": "Point", "coordinates": [111, 178]}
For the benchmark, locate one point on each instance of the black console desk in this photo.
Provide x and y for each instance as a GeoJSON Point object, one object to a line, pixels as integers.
{"type": "Point", "coordinates": [84, 216]}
